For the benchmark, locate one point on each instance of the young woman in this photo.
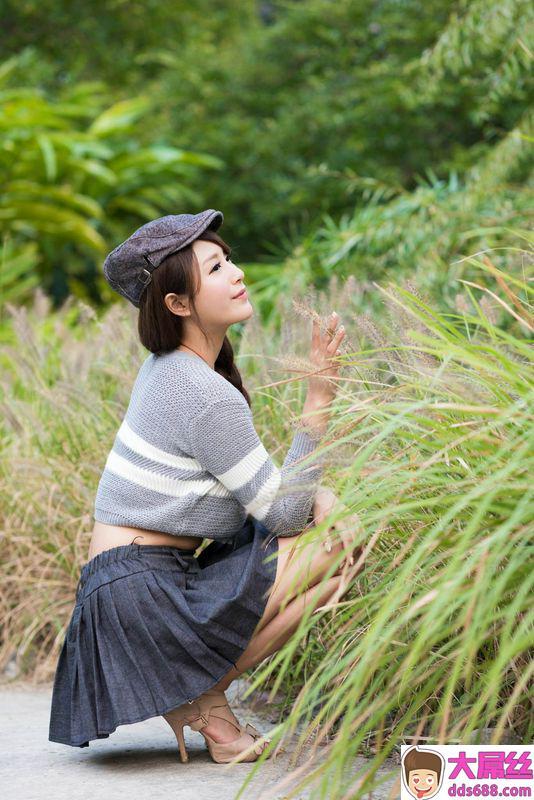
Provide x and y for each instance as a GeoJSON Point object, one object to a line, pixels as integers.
{"type": "Point", "coordinates": [157, 629]}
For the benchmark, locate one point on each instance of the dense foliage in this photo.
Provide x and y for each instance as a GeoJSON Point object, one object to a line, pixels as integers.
{"type": "Point", "coordinates": [356, 111]}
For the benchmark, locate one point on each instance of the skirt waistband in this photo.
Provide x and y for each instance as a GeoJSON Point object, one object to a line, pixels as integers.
{"type": "Point", "coordinates": [185, 557]}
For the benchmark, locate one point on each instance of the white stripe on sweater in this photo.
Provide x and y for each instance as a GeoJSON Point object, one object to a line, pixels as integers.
{"type": "Point", "coordinates": [221, 486]}
{"type": "Point", "coordinates": [144, 448]}
{"type": "Point", "coordinates": [244, 470]}
{"type": "Point", "coordinates": [262, 502]}
{"type": "Point", "coordinates": [174, 487]}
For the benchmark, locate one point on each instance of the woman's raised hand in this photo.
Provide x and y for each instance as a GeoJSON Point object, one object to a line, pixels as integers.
{"type": "Point", "coordinates": [346, 530]}
{"type": "Point", "coordinates": [324, 348]}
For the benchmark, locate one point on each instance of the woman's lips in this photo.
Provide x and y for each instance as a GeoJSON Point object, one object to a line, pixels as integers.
{"type": "Point", "coordinates": [242, 295]}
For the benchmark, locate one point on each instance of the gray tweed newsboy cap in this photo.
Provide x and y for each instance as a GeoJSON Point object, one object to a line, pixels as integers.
{"type": "Point", "coordinates": [128, 268]}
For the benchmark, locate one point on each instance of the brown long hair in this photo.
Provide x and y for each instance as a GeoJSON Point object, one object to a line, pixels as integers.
{"type": "Point", "coordinates": [160, 330]}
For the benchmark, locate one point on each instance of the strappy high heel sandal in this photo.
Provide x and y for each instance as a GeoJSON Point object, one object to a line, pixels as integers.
{"type": "Point", "coordinates": [197, 715]}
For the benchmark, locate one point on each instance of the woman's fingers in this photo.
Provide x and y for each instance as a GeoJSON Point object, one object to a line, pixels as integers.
{"type": "Point", "coordinates": [329, 341]}
{"type": "Point", "coordinates": [329, 327]}
{"type": "Point", "coordinates": [324, 350]}
{"type": "Point", "coordinates": [333, 321]}
{"type": "Point", "coordinates": [354, 530]}
{"type": "Point", "coordinates": [327, 543]}
{"type": "Point", "coordinates": [347, 531]}
{"type": "Point", "coordinates": [347, 540]}
{"type": "Point", "coordinates": [331, 348]}
{"type": "Point", "coordinates": [342, 534]}
{"type": "Point", "coordinates": [316, 333]}
{"type": "Point", "coordinates": [336, 340]}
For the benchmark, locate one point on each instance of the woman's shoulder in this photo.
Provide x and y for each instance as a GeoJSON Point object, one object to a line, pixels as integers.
{"type": "Point", "coordinates": [192, 379]}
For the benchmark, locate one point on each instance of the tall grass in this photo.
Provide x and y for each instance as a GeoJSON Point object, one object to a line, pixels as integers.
{"type": "Point", "coordinates": [433, 640]}
{"type": "Point", "coordinates": [65, 381]}
{"type": "Point", "coordinates": [430, 444]}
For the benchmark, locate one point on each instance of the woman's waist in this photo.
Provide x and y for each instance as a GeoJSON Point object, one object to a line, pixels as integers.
{"type": "Point", "coordinates": [106, 536]}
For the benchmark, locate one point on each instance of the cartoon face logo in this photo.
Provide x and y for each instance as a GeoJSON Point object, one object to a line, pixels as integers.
{"type": "Point", "coordinates": [422, 772]}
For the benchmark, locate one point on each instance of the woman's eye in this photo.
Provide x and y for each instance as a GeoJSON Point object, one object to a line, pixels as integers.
{"type": "Point", "coordinates": [228, 257]}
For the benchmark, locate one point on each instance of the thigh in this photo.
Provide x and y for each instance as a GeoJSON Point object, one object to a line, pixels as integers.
{"type": "Point", "coordinates": [298, 568]}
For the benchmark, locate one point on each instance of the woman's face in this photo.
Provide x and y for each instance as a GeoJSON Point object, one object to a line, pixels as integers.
{"type": "Point", "coordinates": [220, 282]}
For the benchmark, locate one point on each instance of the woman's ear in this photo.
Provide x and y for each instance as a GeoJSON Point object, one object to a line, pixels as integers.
{"type": "Point", "coordinates": [178, 304]}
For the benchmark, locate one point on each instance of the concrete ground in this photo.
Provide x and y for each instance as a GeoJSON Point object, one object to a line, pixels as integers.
{"type": "Point", "coordinates": [136, 761]}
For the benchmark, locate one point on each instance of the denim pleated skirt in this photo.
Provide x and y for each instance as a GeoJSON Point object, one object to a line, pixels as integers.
{"type": "Point", "coordinates": [153, 627]}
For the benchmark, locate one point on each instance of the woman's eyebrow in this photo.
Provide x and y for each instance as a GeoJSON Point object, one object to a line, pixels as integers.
{"type": "Point", "coordinates": [210, 258]}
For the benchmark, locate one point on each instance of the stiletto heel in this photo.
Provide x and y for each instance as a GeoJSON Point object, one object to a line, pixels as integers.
{"type": "Point", "coordinates": [197, 716]}
{"type": "Point", "coordinates": [181, 744]}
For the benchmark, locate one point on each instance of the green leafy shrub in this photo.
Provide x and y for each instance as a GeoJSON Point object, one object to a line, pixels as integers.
{"type": "Point", "coordinates": [76, 180]}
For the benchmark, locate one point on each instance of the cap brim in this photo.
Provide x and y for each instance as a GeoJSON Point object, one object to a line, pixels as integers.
{"type": "Point", "coordinates": [212, 221]}
{"type": "Point", "coordinates": [216, 220]}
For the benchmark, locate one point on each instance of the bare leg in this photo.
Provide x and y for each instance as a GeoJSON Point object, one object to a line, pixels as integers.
{"type": "Point", "coordinates": [267, 641]}
{"type": "Point", "coordinates": [296, 570]}
{"type": "Point", "coordinates": [299, 571]}
{"type": "Point", "coordinates": [284, 610]}
{"type": "Point", "coordinates": [276, 632]}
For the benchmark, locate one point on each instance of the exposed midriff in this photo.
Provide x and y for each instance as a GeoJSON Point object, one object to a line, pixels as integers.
{"type": "Point", "coordinates": [105, 536]}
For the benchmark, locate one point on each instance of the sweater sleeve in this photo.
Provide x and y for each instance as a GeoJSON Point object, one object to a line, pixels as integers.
{"type": "Point", "coordinates": [224, 441]}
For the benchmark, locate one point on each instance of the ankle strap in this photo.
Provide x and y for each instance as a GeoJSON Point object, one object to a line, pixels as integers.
{"type": "Point", "coordinates": [198, 722]}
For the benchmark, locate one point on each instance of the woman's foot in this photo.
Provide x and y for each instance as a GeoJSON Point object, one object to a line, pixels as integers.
{"type": "Point", "coordinates": [221, 730]}
{"type": "Point", "coordinates": [225, 737]}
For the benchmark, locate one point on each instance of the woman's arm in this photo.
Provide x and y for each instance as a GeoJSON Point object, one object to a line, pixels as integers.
{"type": "Point", "coordinates": [225, 443]}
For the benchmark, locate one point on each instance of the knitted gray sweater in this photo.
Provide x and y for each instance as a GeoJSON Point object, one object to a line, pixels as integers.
{"type": "Point", "coordinates": [187, 459]}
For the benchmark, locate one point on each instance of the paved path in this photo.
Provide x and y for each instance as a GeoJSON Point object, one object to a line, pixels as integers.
{"type": "Point", "coordinates": [138, 761]}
